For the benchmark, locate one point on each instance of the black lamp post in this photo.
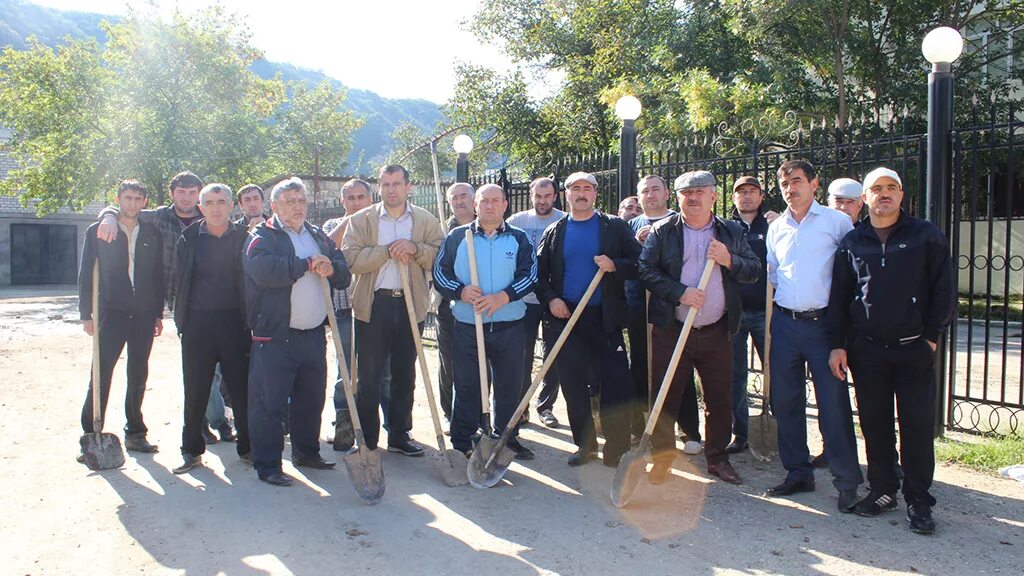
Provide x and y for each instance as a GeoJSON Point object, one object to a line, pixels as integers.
{"type": "Point", "coordinates": [463, 145]}
{"type": "Point", "coordinates": [941, 47]}
{"type": "Point", "coordinates": [628, 109]}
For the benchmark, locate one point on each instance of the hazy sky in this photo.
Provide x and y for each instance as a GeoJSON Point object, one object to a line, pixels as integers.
{"type": "Point", "coordinates": [397, 48]}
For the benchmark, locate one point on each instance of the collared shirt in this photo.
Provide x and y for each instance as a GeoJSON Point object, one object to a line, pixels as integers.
{"type": "Point", "coordinates": [133, 236]}
{"type": "Point", "coordinates": [695, 254]}
{"type": "Point", "coordinates": [534, 225]}
{"type": "Point", "coordinates": [214, 286]}
{"type": "Point", "coordinates": [800, 256]}
{"type": "Point", "coordinates": [307, 301]}
{"type": "Point", "coordinates": [392, 229]}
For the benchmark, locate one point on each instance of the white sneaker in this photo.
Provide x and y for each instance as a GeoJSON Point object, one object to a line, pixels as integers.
{"type": "Point", "coordinates": [692, 447]}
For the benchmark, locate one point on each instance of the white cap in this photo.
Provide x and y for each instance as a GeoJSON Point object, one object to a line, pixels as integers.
{"type": "Point", "coordinates": [874, 175]}
{"type": "Point", "coordinates": [845, 188]}
{"type": "Point", "coordinates": [577, 176]}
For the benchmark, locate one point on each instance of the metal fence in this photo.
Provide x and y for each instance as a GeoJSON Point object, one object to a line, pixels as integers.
{"type": "Point", "coordinates": [985, 366]}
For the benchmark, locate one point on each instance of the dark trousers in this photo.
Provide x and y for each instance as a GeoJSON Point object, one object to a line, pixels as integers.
{"type": "Point", "coordinates": [796, 344]}
{"type": "Point", "coordinates": [446, 362]}
{"type": "Point", "coordinates": [387, 334]}
{"type": "Point", "coordinates": [588, 346]}
{"type": "Point", "coordinates": [213, 337]}
{"type": "Point", "coordinates": [908, 374]}
{"type": "Point", "coordinates": [752, 324]}
{"type": "Point", "coordinates": [687, 416]}
{"type": "Point", "coordinates": [709, 353]}
{"type": "Point", "coordinates": [118, 329]}
{"type": "Point", "coordinates": [293, 368]}
{"type": "Point", "coordinates": [344, 318]}
{"type": "Point", "coordinates": [503, 345]}
{"type": "Point", "coordinates": [549, 389]}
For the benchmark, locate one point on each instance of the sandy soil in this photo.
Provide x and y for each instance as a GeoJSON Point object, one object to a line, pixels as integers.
{"type": "Point", "coordinates": [544, 518]}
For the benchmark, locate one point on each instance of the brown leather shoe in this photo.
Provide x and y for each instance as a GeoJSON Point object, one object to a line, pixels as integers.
{"type": "Point", "coordinates": [725, 471]}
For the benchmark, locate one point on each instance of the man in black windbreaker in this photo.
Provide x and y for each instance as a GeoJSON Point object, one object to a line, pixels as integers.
{"type": "Point", "coordinates": [892, 295]}
{"type": "Point", "coordinates": [209, 289]}
{"type": "Point", "coordinates": [671, 265]}
{"type": "Point", "coordinates": [284, 261]}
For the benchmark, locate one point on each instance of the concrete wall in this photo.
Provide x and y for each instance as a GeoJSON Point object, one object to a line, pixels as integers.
{"type": "Point", "coordinates": [1003, 252]}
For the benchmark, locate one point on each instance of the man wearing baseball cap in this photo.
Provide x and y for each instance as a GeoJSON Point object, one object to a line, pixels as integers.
{"type": "Point", "coordinates": [892, 295]}
{"type": "Point", "coordinates": [844, 195]}
{"type": "Point", "coordinates": [569, 255]}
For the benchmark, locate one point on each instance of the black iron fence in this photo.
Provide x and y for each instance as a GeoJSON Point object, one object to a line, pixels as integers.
{"type": "Point", "coordinates": [985, 366]}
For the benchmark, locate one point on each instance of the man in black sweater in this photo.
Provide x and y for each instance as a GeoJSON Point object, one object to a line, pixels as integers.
{"type": "Point", "coordinates": [892, 295]}
{"type": "Point", "coordinates": [131, 306]}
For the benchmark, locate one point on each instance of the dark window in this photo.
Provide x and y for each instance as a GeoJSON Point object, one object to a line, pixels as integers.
{"type": "Point", "coordinates": [44, 254]}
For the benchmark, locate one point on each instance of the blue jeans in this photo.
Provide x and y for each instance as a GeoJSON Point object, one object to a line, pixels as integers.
{"type": "Point", "coordinates": [752, 324]}
{"type": "Point", "coordinates": [796, 343]}
{"type": "Point", "coordinates": [345, 331]}
{"type": "Point", "coordinates": [215, 406]}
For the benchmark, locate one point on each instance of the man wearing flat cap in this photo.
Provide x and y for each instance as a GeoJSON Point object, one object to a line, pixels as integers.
{"type": "Point", "coordinates": [749, 211]}
{"type": "Point", "coordinates": [892, 295]}
{"type": "Point", "coordinates": [570, 253]}
{"type": "Point", "coordinates": [844, 195]}
{"type": "Point", "coordinates": [671, 264]}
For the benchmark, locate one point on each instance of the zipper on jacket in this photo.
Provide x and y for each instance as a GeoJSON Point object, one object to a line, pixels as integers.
{"type": "Point", "coordinates": [883, 254]}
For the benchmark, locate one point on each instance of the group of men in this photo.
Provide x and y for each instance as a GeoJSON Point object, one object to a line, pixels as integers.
{"type": "Point", "coordinates": [248, 296]}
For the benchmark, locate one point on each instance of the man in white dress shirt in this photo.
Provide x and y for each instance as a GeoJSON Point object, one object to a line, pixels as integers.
{"type": "Point", "coordinates": [802, 243]}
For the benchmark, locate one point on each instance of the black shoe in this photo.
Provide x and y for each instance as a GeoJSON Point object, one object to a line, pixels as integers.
{"type": "Point", "coordinates": [189, 463]}
{"type": "Point", "coordinates": [582, 456]}
{"type": "Point", "coordinates": [138, 443]}
{"type": "Point", "coordinates": [874, 504]}
{"type": "Point", "coordinates": [847, 500]}
{"type": "Point", "coordinates": [315, 462]}
{"type": "Point", "coordinates": [736, 446]}
{"type": "Point", "coordinates": [80, 459]}
{"type": "Point", "coordinates": [820, 461]}
{"type": "Point", "coordinates": [277, 479]}
{"type": "Point", "coordinates": [522, 452]}
{"type": "Point", "coordinates": [344, 435]}
{"type": "Point", "coordinates": [208, 435]}
{"type": "Point", "coordinates": [407, 447]}
{"type": "Point", "coordinates": [790, 487]}
{"type": "Point", "coordinates": [611, 460]}
{"type": "Point", "coordinates": [226, 433]}
{"type": "Point", "coordinates": [920, 517]}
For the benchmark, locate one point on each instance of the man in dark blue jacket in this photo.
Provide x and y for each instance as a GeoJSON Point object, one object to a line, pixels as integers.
{"type": "Point", "coordinates": [284, 261]}
{"type": "Point", "coordinates": [571, 252]}
{"type": "Point", "coordinates": [892, 295]}
{"type": "Point", "coordinates": [131, 306]}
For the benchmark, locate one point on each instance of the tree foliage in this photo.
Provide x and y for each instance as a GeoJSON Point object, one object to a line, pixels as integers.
{"type": "Point", "coordinates": [162, 95]}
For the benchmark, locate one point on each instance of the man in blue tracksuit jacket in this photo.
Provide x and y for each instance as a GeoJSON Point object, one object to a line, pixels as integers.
{"type": "Point", "coordinates": [507, 271]}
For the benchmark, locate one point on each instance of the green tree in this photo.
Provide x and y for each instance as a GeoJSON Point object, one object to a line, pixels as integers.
{"type": "Point", "coordinates": [314, 128]}
{"type": "Point", "coordinates": [412, 150]}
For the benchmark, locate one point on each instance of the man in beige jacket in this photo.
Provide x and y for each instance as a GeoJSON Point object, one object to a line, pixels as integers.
{"type": "Point", "coordinates": [378, 240]}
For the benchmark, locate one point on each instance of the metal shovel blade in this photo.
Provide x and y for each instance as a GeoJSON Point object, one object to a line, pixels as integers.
{"type": "Point", "coordinates": [366, 474]}
{"type": "Point", "coordinates": [453, 466]}
{"type": "Point", "coordinates": [102, 451]}
{"type": "Point", "coordinates": [631, 469]}
{"type": "Point", "coordinates": [764, 437]}
{"type": "Point", "coordinates": [480, 474]}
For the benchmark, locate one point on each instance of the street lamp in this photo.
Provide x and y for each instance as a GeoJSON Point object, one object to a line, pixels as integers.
{"type": "Point", "coordinates": [463, 145]}
{"type": "Point", "coordinates": [628, 109]}
{"type": "Point", "coordinates": [941, 47]}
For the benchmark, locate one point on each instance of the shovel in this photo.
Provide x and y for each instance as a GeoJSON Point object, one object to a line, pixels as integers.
{"type": "Point", "coordinates": [764, 432]}
{"type": "Point", "coordinates": [451, 463]}
{"type": "Point", "coordinates": [487, 448]}
{"type": "Point", "coordinates": [493, 469]}
{"type": "Point", "coordinates": [363, 465]}
{"type": "Point", "coordinates": [102, 450]}
{"type": "Point", "coordinates": [634, 462]}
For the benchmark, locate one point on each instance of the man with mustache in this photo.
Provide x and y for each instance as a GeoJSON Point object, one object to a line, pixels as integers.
{"type": "Point", "coordinates": [802, 244]}
{"type": "Point", "coordinates": [892, 295]}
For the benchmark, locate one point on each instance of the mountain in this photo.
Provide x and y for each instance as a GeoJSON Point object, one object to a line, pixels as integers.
{"type": "Point", "coordinates": [372, 142]}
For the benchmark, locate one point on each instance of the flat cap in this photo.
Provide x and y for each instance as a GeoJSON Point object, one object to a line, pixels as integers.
{"type": "Point", "coordinates": [695, 179]}
{"type": "Point", "coordinates": [845, 188]}
{"type": "Point", "coordinates": [874, 175]}
{"type": "Point", "coordinates": [577, 176]}
{"type": "Point", "coordinates": [746, 180]}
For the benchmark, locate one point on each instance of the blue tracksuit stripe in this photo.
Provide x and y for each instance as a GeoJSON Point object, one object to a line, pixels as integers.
{"type": "Point", "coordinates": [439, 269]}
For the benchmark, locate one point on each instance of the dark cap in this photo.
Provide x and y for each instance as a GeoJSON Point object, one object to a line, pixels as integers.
{"type": "Point", "coordinates": [746, 180]}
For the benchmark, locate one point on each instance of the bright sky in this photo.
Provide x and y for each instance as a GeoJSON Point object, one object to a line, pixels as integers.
{"type": "Point", "coordinates": [396, 48]}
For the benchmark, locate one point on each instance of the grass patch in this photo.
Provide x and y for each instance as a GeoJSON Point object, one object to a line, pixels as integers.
{"type": "Point", "coordinates": [1013, 305]}
{"type": "Point", "coordinates": [988, 454]}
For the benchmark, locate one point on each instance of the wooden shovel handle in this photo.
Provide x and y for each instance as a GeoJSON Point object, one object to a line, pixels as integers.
{"type": "Point", "coordinates": [677, 353]}
{"type": "Point", "coordinates": [97, 415]}
{"type": "Point", "coordinates": [766, 373]}
{"type": "Point", "coordinates": [342, 364]}
{"type": "Point", "coordinates": [481, 353]}
{"type": "Point", "coordinates": [403, 271]}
